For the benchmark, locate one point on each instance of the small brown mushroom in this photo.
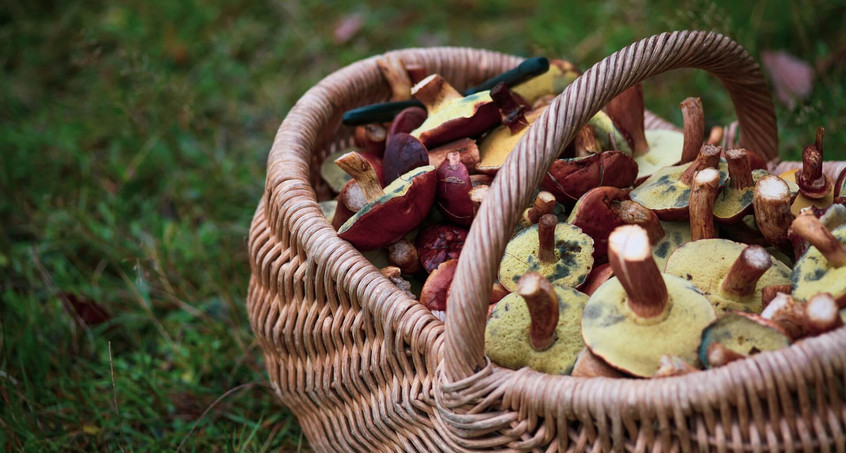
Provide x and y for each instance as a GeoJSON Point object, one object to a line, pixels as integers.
{"type": "Point", "coordinates": [453, 191]}
{"type": "Point", "coordinates": [560, 252]}
{"type": "Point", "coordinates": [465, 147]}
{"type": "Point", "coordinates": [815, 188]}
{"type": "Point", "coordinates": [641, 315]}
{"type": "Point", "coordinates": [435, 290]}
{"type": "Point", "coordinates": [731, 275]}
{"type": "Point", "coordinates": [537, 326]}
{"type": "Point", "coordinates": [403, 154]}
{"type": "Point", "coordinates": [569, 179]}
{"type": "Point", "coordinates": [735, 335]}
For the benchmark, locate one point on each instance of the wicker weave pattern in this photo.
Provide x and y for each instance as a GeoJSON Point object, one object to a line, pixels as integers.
{"type": "Point", "coordinates": [366, 369]}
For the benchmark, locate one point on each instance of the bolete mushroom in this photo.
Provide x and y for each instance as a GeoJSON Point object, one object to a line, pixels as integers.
{"type": "Point", "coordinates": [389, 216]}
{"type": "Point", "coordinates": [336, 178]}
{"type": "Point", "coordinates": [815, 188]}
{"type": "Point", "coordinates": [667, 191]}
{"type": "Point", "coordinates": [451, 115]}
{"type": "Point", "coordinates": [544, 204]}
{"type": "Point", "coordinates": [453, 191]}
{"type": "Point", "coordinates": [703, 192]}
{"type": "Point", "coordinates": [536, 327]}
{"type": "Point", "coordinates": [498, 143]}
{"type": "Point", "coordinates": [735, 335]}
{"type": "Point", "coordinates": [656, 148]}
{"type": "Point", "coordinates": [569, 179]}
{"type": "Point", "coordinates": [436, 288]}
{"type": "Point", "coordinates": [823, 266]}
{"type": "Point", "coordinates": [819, 314]}
{"type": "Point", "coordinates": [735, 201]}
{"type": "Point", "coordinates": [560, 252]}
{"type": "Point", "coordinates": [771, 202]}
{"type": "Point", "coordinates": [641, 314]}
{"type": "Point", "coordinates": [731, 275]}
{"type": "Point", "coordinates": [403, 154]}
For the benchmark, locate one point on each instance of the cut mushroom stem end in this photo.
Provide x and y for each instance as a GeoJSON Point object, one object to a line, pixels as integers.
{"type": "Point", "coordinates": [740, 171]}
{"type": "Point", "coordinates": [809, 227]}
{"type": "Point", "coordinates": [355, 165]}
{"type": "Point", "coordinates": [631, 258]}
{"type": "Point", "coordinates": [719, 355]}
{"type": "Point", "coordinates": [746, 271]}
{"type": "Point", "coordinates": [543, 309]}
{"type": "Point", "coordinates": [702, 196]}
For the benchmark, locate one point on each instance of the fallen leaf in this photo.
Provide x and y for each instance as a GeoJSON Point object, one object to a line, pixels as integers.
{"type": "Point", "coordinates": [792, 78]}
{"type": "Point", "coordinates": [84, 310]}
{"type": "Point", "coordinates": [347, 28]}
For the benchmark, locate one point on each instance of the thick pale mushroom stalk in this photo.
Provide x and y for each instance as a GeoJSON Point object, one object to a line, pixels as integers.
{"type": "Point", "coordinates": [702, 195]}
{"type": "Point", "coordinates": [744, 274]}
{"type": "Point", "coordinates": [694, 128]}
{"type": "Point", "coordinates": [355, 165]}
{"type": "Point", "coordinates": [772, 209]}
{"type": "Point", "coordinates": [630, 256]}
{"type": "Point", "coordinates": [809, 227]}
{"type": "Point", "coordinates": [543, 309]}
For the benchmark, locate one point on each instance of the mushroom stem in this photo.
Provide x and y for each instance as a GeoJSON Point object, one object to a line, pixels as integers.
{"type": "Point", "coordinates": [513, 113]}
{"type": "Point", "coordinates": [477, 195]}
{"type": "Point", "coordinates": [716, 136]}
{"type": "Point", "coordinates": [772, 209]}
{"type": "Point", "coordinates": [626, 110]}
{"type": "Point", "coordinates": [394, 72]}
{"type": "Point", "coordinates": [372, 138]}
{"type": "Point", "coordinates": [546, 238]}
{"type": "Point", "coordinates": [740, 171]}
{"type": "Point", "coordinates": [403, 255]}
{"type": "Point", "coordinates": [355, 165]}
{"type": "Point", "coordinates": [812, 230]}
{"type": "Point", "coordinates": [746, 271]}
{"type": "Point", "coordinates": [631, 259]}
{"type": "Point", "coordinates": [811, 180]}
{"type": "Point", "coordinates": [822, 314]}
{"type": "Point", "coordinates": [633, 213]}
{"type": "Point", "coordinates": [788, 314]}
{"type": "Point", "coordinates": [544, 204]}
{"type": "Point", "coordinates": [434, 92]}
{"type": "Point", "coordinates": [768, 293]}
{"type": "Point", "coordinates": [702, 196]}
{"type": "Point", "coordinates": [709, 157]}
{"type": "Point", "coordinates": [670, 365]}
{"type": "Point", "coordinates": [542, 301]}
{"type": "Point", "coordinates": [585, 141]}
{"type": "Point", "coordinates": [719, 355]}
{"type": "Point", "coordinates": [465, 147]}
{"type": "Point", "coordinates": [694, 128]}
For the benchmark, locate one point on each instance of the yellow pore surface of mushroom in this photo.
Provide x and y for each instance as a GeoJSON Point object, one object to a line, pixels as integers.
{"type": "Point", "coordinates": [732, 202]}
{"type": "Point", "coordinates": [616, 335]}
{"type": "Point", "coordinates": [706, 262]}
{"type": "Point", "coordinates": [742, 335]}
{"type": "Point", "coordinates": [459, 108]}
{"type": "Point", "coordinates": [664, 191]}
{"type": "Point", "coordinates": [552, 81]}
{"type": "Point", "coordinates": [507, 334]}
{"type": "Point", "coordinates": [665, 149]}
{"type": "Point", "coordinates": [813, 274]}
{"type": "Point", "coordinates": [571, 266]}
{"type": "Point", "coordinates": [676, 234]}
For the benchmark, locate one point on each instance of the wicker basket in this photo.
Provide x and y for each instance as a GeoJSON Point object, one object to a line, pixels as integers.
{"type": "Point", "coordinates": [364, 368]}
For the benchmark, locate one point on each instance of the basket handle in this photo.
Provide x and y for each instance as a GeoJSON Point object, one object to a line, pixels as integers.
{"type": "Point", "coordinates": [464, 348]}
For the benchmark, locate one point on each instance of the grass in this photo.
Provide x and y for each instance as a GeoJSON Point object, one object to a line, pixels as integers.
{"type": "Point", "coordinates": [132, 150]}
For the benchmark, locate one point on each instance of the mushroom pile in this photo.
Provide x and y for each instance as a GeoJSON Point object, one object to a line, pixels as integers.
{"type": "Point", "coordinates": [643, 253]}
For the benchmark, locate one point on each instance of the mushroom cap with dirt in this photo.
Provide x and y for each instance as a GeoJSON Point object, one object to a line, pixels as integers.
{"type": "Point", "coordinates": [822, 268]}
{"type": "Point", "coordinates": [641, 314]}
{"type": "Point", "coordinates": [742, 333]}
{"type": "Point", "coordinates": [730, 274]}
{"type": "Point", "coordinates": [508, 340]}
{"type": "Point", "coordinates": [560, 252]}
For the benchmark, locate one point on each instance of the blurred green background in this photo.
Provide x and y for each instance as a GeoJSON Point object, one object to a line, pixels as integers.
{"type": "Point", "coordinates": [133, 145]}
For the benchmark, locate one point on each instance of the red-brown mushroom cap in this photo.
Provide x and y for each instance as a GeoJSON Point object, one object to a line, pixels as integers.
{"type": "Point", "coordinates": [569, 179]}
